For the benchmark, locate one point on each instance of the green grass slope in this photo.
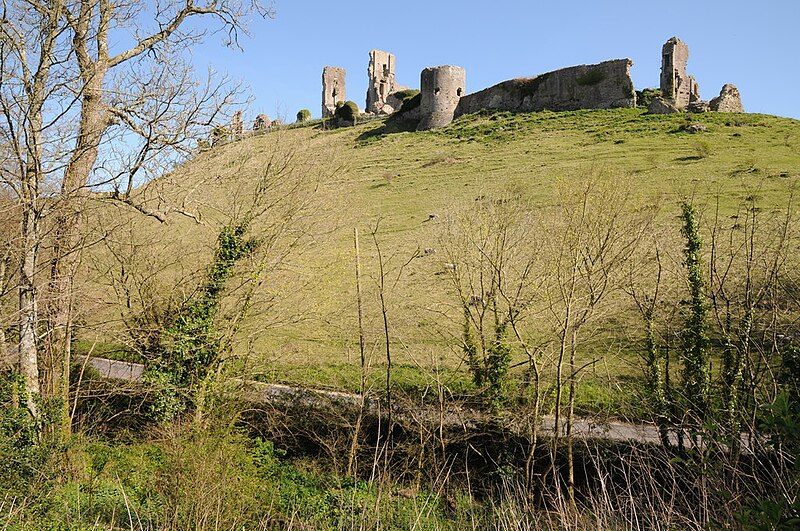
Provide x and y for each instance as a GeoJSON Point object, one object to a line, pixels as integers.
{"type": "Point", "coordinates": [302, 323]}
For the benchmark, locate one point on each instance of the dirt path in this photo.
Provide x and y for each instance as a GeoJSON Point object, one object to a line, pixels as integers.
{"type": "Point", "coordinates": [268, 392]}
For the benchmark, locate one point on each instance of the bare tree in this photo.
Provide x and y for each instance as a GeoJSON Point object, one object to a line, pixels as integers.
{"type": "Point", "coordinates": [492, 251]}
{"type": "Point", "coordinates": [71, 99]}
{"type": "Point", "coordinates": [749, 259]}
{"type": "Point", "coordinates": [497, 270]}
{"type": "Point", "coordinates": [590, 236]}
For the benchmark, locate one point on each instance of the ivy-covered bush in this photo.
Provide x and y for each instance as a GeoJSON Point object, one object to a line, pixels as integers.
{"type": "Point", "coordinates": [645, 97]}
{"type": "Point", "coordinates": [348, 111]}
{"type": "Point", "coordinates": [411, 103]}
{"type": "Point", "coordinates": [303, 115]}
{"type": "Point", "coordinates": [188, 349]}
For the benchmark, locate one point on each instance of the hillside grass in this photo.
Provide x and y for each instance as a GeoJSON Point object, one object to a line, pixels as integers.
{"type": "Point", "coordinates": [302, 327]}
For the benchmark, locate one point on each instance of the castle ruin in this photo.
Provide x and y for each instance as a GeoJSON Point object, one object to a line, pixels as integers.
{"type": "Point", "coordinates": [601, 86]}
{"type": "Point", "coordinates": [382, 82]}
{"type": "Point", "coordinates": [333, 89]}
{"type": "Point", "coordinates": [237, 127]}
{"type": "Point", "coordinates": [441, 89]}
{"type": "Point", "coordinates": [728, 100]}
{"type": "Point", "coordinates": [677, 86]}
{"type": "Point", "coordinates": [680, 92]}
{"type": "Point", "coordinates": [261, 123]}
{"type": "Point", "coordinates": [442, 97]}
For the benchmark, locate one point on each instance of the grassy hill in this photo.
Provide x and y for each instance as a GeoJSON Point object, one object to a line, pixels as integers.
{"type": "Point", "coordinates": [306, 190]}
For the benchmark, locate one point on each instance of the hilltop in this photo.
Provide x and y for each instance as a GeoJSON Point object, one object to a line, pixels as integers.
{"type": "Point", "coordinates": [302, 327]}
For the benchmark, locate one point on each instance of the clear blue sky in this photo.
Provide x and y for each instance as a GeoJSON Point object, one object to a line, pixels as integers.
{"type": "Point", "coordinates": [752, 44]}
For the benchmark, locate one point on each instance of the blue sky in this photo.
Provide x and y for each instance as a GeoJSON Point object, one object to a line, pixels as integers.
{"type": "Point", "coordinates": [753, 45]}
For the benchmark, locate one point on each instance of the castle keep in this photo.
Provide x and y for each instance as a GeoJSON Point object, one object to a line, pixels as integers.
{"type": "Point", "coordinates": [602, 86]}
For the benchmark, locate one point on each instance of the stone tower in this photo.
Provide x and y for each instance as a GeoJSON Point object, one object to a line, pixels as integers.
{"type": "Point", "coordinates": [333, 89]}
{"type": "Point", "coordinates": [441, 89]}
{"type": "Point", "coordinates": [237, 127]}
{"type": "Point", "coordinates": [676, 86]}
{"type": "Point", "coordinates": [381, 80]}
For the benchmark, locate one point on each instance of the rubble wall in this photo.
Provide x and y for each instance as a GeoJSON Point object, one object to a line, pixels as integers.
{"type": "Point", "coordinates": [601, 86]}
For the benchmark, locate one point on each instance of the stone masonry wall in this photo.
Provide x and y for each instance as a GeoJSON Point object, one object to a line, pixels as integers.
{"type": "Point", "coordinates": [677, 86]}
{"type": "Point", "coordinates": [333, 89]}
{"type": "Point", "coordinates": [441, 89]}
{"type": "Point", "coordinates": [382, 82]}
{"type": "Point", "coordinates": [601, 86]}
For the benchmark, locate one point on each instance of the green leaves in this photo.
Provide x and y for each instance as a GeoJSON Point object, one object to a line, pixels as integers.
{"type": "Point", "coordinates": [695, 335]}
{"type": "Point", "coordinates": [189, 349]}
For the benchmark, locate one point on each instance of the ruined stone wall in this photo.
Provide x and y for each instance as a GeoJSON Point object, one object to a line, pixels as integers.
{"type": "Point", "coordinates": [677, 86]}
{"type": "Point", "coordinates": [382, 82]}
{"type": "Point", "coordinates": [261, 123]}
{"type": "Point", "coordinates": [602, 86]}
{"type": "Point", "coordinates": [441, 89]}
{"type": "Point", "coordinates": [333, 89]}
{"type": "Point", "coordinates": [728, 100]}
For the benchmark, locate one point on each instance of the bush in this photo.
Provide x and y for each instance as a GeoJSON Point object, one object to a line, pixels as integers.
{"type": "Point", "coordinates": [405, 95]}
{"type": "Point", "coordinates": [348, 111]}
{"type": "Point", "coordinates": [20, 455]}
{"type": "Point", "coordinates": [702, 148]}
{"type": "Point", "coordinates": [410, 104]}
{"type": "Point", "coordinates": [303, 115]}
{"type": "Point", "coordinates": [645, 97]}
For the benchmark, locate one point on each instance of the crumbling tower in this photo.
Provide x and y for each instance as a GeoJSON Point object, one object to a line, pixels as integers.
{"type": "Point", "coordinates": [676, 86]}
{"type": "Point", "coordinates": [441, 88]}
{"type": "Point", "coordinates": [237, 127]}
{"type": "Point", "coordinates": [381, 80]}
{"type": "Point", "coordinates": [333, 89]}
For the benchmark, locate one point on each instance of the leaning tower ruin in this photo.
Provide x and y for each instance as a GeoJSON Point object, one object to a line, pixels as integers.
{"type": "Point", "coordinates": [441, 89]}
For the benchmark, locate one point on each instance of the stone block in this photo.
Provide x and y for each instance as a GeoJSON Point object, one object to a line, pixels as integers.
{"type": "Point", "coordinates": [661, 106]}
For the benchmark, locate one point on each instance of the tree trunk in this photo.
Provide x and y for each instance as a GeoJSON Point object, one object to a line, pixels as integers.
{"type": "Point", "coordinates": [67, 247]}
{"type": "Point", "coordinates": [28, 351]}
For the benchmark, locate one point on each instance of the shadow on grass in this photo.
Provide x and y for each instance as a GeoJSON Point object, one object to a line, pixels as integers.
{"type": "Point", "coordinates": [393, 124]}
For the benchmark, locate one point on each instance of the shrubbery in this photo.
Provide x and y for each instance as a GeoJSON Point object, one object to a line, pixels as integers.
{"type": "Point", "coordinates": [405, 95]}
{"type": "Point", "coordinates": [645, 97]}
{"type": "Point", "coordinates": [347, 111]}
{"type": "Point", "coordinates": [303, 115]}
